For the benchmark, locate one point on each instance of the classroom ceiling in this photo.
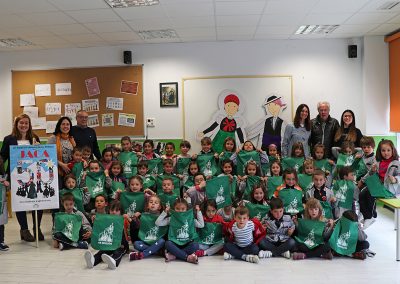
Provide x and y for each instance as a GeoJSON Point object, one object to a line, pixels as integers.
{"type": "Point", "coordinates": [86, 23]}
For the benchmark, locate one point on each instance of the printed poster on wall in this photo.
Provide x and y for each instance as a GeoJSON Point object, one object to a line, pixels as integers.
{"type": "Point", "coordinates": [53, 108]}
{"type": "Point", "coordinates": [127, 119]}
{"type": "Point", "coordinates": [63, 89]}
{"type": "Point", "coordinates": [107, 119]}
{"type": "Point", "coordinates": [129, 87]}
{"type": "Point", "coordinates": [92, 87]}
{"type": "Point", "coordinates": [27, 100]}
{"type": "Point", "coordinates": [71, 109]}
{"type": "Point", "coordinates": [42, 90]}
{"type": "Point", "coordinates": [90, 105]}
{"type": "Point", "coordinates": [93, 120]}
{"type": "Point", "coordinates": [34, 178]}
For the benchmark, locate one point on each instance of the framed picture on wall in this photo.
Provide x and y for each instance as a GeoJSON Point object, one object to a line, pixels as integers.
{"type": "Point", "coordinates": [169, 94]}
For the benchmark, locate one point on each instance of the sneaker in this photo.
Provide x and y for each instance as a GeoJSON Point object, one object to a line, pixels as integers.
{"type": "Point", "coordinates": [252, 258]}
{"type": "Point", "coordinates": [200, 253]}
{"type": "Point", "coordinates": [327, 255]}
{"type": "Point", "coordinates": [169, 256]}
{"type": "Point", "coordinates": [60, 246]}
{"type": "Point", "coordinates": [368, 223]}
{"type": "Point", "coordinates": [359, 255]}
{"type": "Point", "coordinates": [192, 258]}
{"type": "Point", "coordinates": [109, 261]}
{"type": "Point", "coordinates": [298, 256]}
{"type": "Point", "coordinates": [228, 256]}
{"type": "Point", "coordinates": [89, 259]}
{"type": "Point", "coordinates": [286, 254]}
{"type": "Point", "coordinates": [83, 245]}
{"type": "Point", "coordinates": [136, 255]}
{"type": "Point", "coordinates": [264, 254]}
{"type": "Point", "coordinates": [4, 247]}
{"type": "Point", "coordinates": [369, 253]}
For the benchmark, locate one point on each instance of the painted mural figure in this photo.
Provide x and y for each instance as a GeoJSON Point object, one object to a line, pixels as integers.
{"type": "Point", "coordinates": [227, 122]}
{"type": "Point", "coordinates": [269, 129]}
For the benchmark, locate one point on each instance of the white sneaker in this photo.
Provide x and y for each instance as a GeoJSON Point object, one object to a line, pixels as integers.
{"type": "Point", "coordinates": [368, 222]}
{"type": "Point", "coordinates": [109, 261]}
{"type": "Point", "coordinates": [264, 254]}
{"type": "Point", "coordinates": [60, 246]}
{"type": "Point", "coordinates": [252, 258]}
{"type": "Point", "coordinates": [89, 259]}
{"type": "Point", "coordinates": [286, 254]}
{"type": "Point", "coordinates": [228, 256]}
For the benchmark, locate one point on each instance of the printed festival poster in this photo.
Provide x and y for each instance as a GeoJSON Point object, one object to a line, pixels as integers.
{"type": "Point", "coordinates": [34, 178]}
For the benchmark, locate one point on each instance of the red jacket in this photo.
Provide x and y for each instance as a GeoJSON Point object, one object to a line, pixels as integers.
{"type": "Point", "coordinates": [216, 219]}
{"type": "Point", "coordinates": [258, 233]}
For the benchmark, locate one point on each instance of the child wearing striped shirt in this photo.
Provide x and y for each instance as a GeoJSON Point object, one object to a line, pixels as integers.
{"type": "Point", "coordinates": [244, 235]}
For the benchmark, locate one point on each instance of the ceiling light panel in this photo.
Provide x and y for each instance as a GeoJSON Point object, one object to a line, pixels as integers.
{"type": "Point", "coordinates": [131, 3]}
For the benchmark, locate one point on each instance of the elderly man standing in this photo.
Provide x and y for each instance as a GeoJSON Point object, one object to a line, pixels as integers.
{"type": "Point", "coordinates": [323, 128]}
{"type": "Point", "coordinates": [84, 135]}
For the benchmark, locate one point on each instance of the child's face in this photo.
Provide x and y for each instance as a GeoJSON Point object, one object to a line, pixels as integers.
{"type": "Point", "coordinates": [227, 168]}
{"type": "Point", "coordinates": [251, 170]}
{"type": "Point", "coordinates": [241, 220]}
{"type": "Point", "coordinates": [272, 150]}
{"type": "Point", "coordinates": [147, 148]}
{"type": "Point", "coordinates": [94, 168]}
{"type": "Point", "coordinates": [275, 169]}
{"type": "Point", "coordinates": [167, 186]}
{"type": "Point", "coordinates": [277, 213]}
{"type": "Point", "coordinates": [319, 153]}
{"type": "Point", "coordinates": [350, 176]}
{"type": "Point", "coordinates": [290, 180]}
{"type": "Point", "coordinates": [168, 168]}
{"type": "Point", "coordinates": [367, 149]}
{"type": "Point", "coordinates": [386, 151]}
{"type": "Point", "coordinates": [228, 209]}
{"type": "Point", "coordinates": [248, 146]}
{"type": "Point", "coordinates": [229, 146]}
{"type": "Point", "coordinates": [115, 212]}
{"type": "Point", "coordinates": [70, 183]}
{"type": "Point", "coordinates": [258, 194]}
{"type": "Point", "coordinates": [135, 185]}
{"type": "Point", "coordinates": [210, 212]}
{"type": "Point", "coordinates": [115, 153]}
{"type": "Point", "coordinates": [77, 156]}
{"type": "Point", "coordinates": [126, 145]}
{"type": "Point", "coordinates": [313, 212]}
{"type": "Point", "coordinates": [116, 170]}
{"type": "Point", "coordinates": [194, 169]}
{"type": "Point", "coordinates": [154, 204]}
{"type": "Point", "coordinates": [142, 170]}
{"type": "Point", "coordinates": [298, 152]}
{"type": "Point", "coordinates": [100, 203]}
{"type": "Point", "coordinates": [86, 155]}
{"type": "Point", "coordinates": [137, 147]}
{"type": "Point", "coordinates": [347, 151]}
{"type": "Point", "coordinates": [180, 207]}
{"type": "Point", "coordinates": [206, 147]}
{"type": "Point", "coordinates": [107, 157]}
{"type": "Point", "coordinates": [319, 180]}
{"type": "Point", "coordinates": [68, 206]}
{"type": "Point", "coordinates": [184, 149]}
{"type": "Point", "coordinates": [169, 150]}
{"type": "Point", "coordinates": [198, 179]}
{"type": "Point", "coordinates": [309, 169]}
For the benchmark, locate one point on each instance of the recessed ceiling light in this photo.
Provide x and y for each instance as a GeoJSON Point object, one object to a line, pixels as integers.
{"type": "Point", "coordinates": [131, 3]}
{"type": "Point", "coordinates": [158, 34]}
{"type": "Point", "coordinates": [316, 29]}
{"type": "Point", "coordinates": [388, 5]}
{"type": "Point", "coordinates": [14, 42]}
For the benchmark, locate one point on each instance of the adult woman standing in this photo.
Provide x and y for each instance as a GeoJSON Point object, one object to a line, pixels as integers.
{"type": "Point", "coordinates": [22, 134]}
{"type": "Point", "coordinates": [299, 131]}
{"type": "Point", "coordinates": [64, 145]}
{"type": "Point", "coordinates": [347, 130]}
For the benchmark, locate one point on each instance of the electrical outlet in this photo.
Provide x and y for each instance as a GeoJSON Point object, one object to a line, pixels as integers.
{"type": "Point", "coordinates": [151, 122]}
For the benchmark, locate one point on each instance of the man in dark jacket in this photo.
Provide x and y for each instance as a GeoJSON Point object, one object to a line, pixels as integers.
{"type": "Point", "coordinates": [323, 128]}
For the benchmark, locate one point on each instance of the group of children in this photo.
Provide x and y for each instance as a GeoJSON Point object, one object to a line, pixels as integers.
{"type": "Point", "coordinates": [269, 206]}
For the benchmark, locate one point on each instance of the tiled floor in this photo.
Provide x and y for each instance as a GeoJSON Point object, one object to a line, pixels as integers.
{"type": "Point", "coordinates": [25, 263]}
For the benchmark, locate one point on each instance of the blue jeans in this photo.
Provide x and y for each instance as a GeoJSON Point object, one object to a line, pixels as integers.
{"type": "Point", "coordinates": [277, 248]}
{"type": "Point", "coordinates": [181, 252]}
{"type": "Point", "coordinates": [239, 252]}
{"type": "Point", "coordinates": [148, 250]}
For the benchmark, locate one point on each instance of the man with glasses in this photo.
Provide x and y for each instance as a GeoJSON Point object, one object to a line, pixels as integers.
{"type": "Point", "coordinates": [84, 135]}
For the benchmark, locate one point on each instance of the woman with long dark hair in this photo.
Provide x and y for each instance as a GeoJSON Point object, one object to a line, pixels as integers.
{"type": "Point", "coordinates": [347, 130]}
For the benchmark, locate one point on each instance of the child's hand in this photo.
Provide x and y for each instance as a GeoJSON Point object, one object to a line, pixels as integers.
{"type": "Point", "coordinates": [264, 179]}
{"type": "Point", "coordinates": [149, 191]}
{"type": "Point", "coordinates": [85, 164]}
{"type": "Point", "coordinates": [87, 235]}
{"type": "Point", "coordinates": [244, 178]}
{"type": "Point", "coordinates": [294, 219]}
{"type": "Point", "coordinates": [374, 168]}
{"type": "Point", "coordinates": [137, 215]}
{"type": "Point", "coordinates": [230, 177]}
{"type": "Point", "coordinates": [207, 178]}
{"type": "Point", "coordinates": [84, 175]}
{"type": "Point", "coordinates": [126, 216]}
{"type": "Point", "coordinates": [5, 183]}
{"type": "Point", "coordinates": [290, 231]}
{"type": "Point", "coordinates": [194, 157]}
{"type": "Point", "coordinates": [237, 151]}
{"type": "Point", "coordinates": [333, 199]}
{"type": "Point", "coordinates": [222, 153]}
{"type": "Point", "coordinates": [106, 173]}
{"type": "Point", "coordinates": [392, 179]}
{"type": "Point", "coordinates": [360, 184]}
{"type": "Point", "coordinates": [139, 154]}
{"type": "Point", "coordinates": [331, 162]}
{"type": "Point", "coordinates": [65, 168]}
{"type": "Point", "coordinates": [259, 150]}
{"type": "Point", "coordinates": [167, 208]}
{"type": "Point", "coordinates": [197, 208]}
{"type": "Point", "coordinates": [93, 218]}
{"type": "Point", "coordinates": [216, 156]}
{"type": "Point", "coordinates": [331, 223]}
{"type": "Point", "coordinates": [358, 156]}
{"type": "Point", "coordinates": [200, 135]}
{"type": "Point", "coordinates": [180, 176]}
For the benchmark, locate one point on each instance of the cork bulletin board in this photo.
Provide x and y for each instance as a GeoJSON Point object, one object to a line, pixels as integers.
{"type": "Point", "coordinates": [118, 91]}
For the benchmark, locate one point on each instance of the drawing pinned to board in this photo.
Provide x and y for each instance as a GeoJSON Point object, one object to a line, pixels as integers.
{"type": "Point", "coordinates": [228, 121]}
{"type": "Point", "coordinates": [270, 128]}
{"type": "Point", "coordinates": [27, 100]}
{"type": "Point", "coordinates": [114, 103]}
{"type": "Point", "coordinates": [107, 119]}
{"type": "Point", "coordinates": [42, 90]}
{"type": "Point", "coordinates": [90, 105]}
{"type": "Point", "coordinates": [127, 119]}
{"type": "Point", "coordinates": [51, 126]}
{"type": "Point", "coordinates": [92, 87]}
{"type": "Point", "coordinates": [63, 89]}
{"type": "Point", "coordinates": [129, 87]}
{"type": "Point", "coordinates": [33, 112]}
{"type": "Point", "coordinates": [93, 120]}
{"type": "Point", "coordinates": [53, 108]}
{"type": "Point", "coordinates": [38, 123]}
{"type": "Point", "coordinates": [71, 109]}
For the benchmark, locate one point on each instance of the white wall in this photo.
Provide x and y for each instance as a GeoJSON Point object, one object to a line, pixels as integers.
{"type": "Point", "coordinates": [321, 70]}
